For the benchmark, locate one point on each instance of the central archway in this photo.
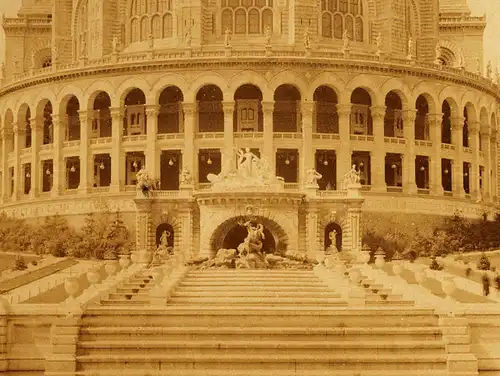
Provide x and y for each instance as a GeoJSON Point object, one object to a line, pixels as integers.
{"type": "Point", "coordinates": [230, 234]}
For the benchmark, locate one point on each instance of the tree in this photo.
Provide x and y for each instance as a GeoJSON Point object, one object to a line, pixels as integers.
{"type": "Point", "coordinates": [116, 238]}
{"type": "Point", "coordinates": [484, 262]}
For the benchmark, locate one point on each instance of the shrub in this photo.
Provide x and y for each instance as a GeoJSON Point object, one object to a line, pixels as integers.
{"type": "Point", "coordinates": [435, 265]}
{"type": "Point", "coordinates": [484, 262]}
{"type": "Point", "coordinates": [20, 264]}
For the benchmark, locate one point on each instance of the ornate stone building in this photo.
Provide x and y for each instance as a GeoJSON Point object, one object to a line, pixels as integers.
{"type": "Point", "coordinates": [93, 90]}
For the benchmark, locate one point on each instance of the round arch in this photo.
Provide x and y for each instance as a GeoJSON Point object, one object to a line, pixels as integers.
{"type": "Point", "coordinates": [170, 232]}
{"type": "Point", "coordinates": [330, 227]}
{"type": "Point", "coordinates": [237, 235]}
{"type": "Point", "coordinates": [280, 238]}
{"type": "Point", "coordinates": [249, 77]}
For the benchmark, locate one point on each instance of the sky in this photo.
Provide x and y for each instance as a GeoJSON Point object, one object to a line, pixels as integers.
{"type": "Point", "coordinates": [478, 7]}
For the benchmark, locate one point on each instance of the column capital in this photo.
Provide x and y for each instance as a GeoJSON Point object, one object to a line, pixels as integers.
{"type": "Point", "coordinates": [267, 108]}
{"type": "Point", "coordinates": [56, 118]}
{"type": "Point", "coordinates": [228, 107]}
{"type": "Point", "coordinates": [474, 126]}
{"type": "Point", "coordinates": [435, 119]}
{"type": "Point", "coordinates": [152, 110]}
{"type": "Point", "coordinates": [485, 130]}
{"type": "Point", "coordinates": [189, 108]}
{"type": "Point", "coordinates": [18, 130]}
{"type": "Point", "coordinates": [410, 116]}
{"type": "Point", "coordinates": [117, 112]}
{"type": "Point", "coordinates": [344, 109]}
{"type": "Point", "coordinates": [85, 114]}
{"type": "Point", "coordinates": [378, 112]}
{"type": "Point", "coordinates": [307, 108]}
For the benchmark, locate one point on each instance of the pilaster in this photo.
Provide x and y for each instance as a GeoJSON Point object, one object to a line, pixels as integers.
{"type": "Point", "coordinates": [143, 225]}
{"type": "Point", "coordinates": [59, 169]}
{"type": "Point", "coordinates": [474, 173]}
{"type": "Point", "coordinates": [409, 184]}
{"type": "Point", "coordinates": [344, 153]}
{"type": "Point", "coordinates": [116, 151]}
{"type": "Point", "coordinates": [493, 161]}
{"type": "Point", "coordinates": [307, 157]}
{"type": "Point", "coordinates": [36, 138]}
{"type": "Point", "coordinates": [485, 132]}
{"type": "Point", "coordinates": [152, 160]}
{"type": "Point", "coordinates": [458, 175]}
{"type": "Point", "coordinates": [354, 218]}
{"type": "Point", "coordinates": [378, 156]}
{"type": "Point", "coordinates": [312, 241]}
{"type": "Point", "coordinates": [436, 181]}
{"type": "Point", "coordinates": [85, 157]}
{"type": "Point", "coordinates": [18, 134]}
{"type": "Point", "coordinates": [228, 108]}
{"type": "Point", "coordinates": [268, 152]}
{"type": "Point", "coordinates": [5, 133]}
{"type": "Point", "coordinates": [188, 155]}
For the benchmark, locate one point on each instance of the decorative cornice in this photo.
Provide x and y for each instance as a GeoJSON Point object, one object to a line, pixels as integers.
{"type": "Point", "coordinates": [423, 71]}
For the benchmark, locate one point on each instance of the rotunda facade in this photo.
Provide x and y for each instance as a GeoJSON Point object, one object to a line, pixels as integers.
{"type": "Point", "coordinates": [111, 87]}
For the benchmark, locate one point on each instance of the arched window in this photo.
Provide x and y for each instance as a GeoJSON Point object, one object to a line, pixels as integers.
{"type": "Point", "coordinates": [326, 22]}
{"type": "Point", "coordinates": [134, 30]}
{"type": "Point", "coordinates": [144, 28]}
{"type": "Point", "coordinates": [168, 29]}
{"type": "Point", "coordinates": [348, 16]}
{"type": "Point", "coordinates": [246, 16]}
{"type": "Point", "coordinates": [253, 22]}
{"type": "Point", "coordinates": [338, 26]}
{"type": "Point", "coordinates": [153, 17]}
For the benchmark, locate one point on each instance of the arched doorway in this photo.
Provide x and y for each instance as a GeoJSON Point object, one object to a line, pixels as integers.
{"type": "Point", "coordinates": [170, 234]}
{"type": "Point", "coordinates": [238, 233]}
{"type": "Point", "coordinates": [328, 229]}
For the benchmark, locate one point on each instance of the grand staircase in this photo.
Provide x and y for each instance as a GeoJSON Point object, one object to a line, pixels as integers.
{"type": "Point", "coordinates": [254, 322]}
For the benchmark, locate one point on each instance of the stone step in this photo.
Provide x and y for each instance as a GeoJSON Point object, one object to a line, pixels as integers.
{"type": "Point", "coordinates": [333, 361]}
{"type": "Point", "coordinates": [246, 288]}
{"type": "Point", "coordinates": [257, 293]}
{"type": "Point", "coordinates": [238, 348]}
{"type": "Point", "coordinates": [308, 283]}
{"type": "Point", "coordinates": [259, 316]}
{"type": "Point", "coordinates": [139, 333]}
{"type": "Point", "coordinates": [257, 371]}
{"type": "Point", "coordinates": [260, 300]}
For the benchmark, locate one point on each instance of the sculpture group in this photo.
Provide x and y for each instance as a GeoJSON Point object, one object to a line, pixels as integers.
{"type": "Point", "coordinates": [250, 251]}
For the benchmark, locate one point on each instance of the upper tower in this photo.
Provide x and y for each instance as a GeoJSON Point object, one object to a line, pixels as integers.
{"type": "Point", "coordinates": [36, 8]}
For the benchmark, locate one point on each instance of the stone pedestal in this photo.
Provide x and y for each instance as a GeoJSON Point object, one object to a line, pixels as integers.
{"type": "Point", "coordinates": [269, 51]}
{"type": "Point", "coordinates": [143, 230]}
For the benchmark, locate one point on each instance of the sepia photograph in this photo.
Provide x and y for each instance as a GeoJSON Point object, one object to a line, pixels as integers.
{"type": "Point", "coordinates": [249, 188]}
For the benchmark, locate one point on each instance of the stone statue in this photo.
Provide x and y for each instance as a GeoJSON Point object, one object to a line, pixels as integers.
{"type": "Point", "coordinates": [143, 181]}
{"type": "Point", "coordinates": [352, 177]}
{"type": "Point", "coordinates": [250, 251]}
{"type": "Point", "coordinates": [245, 162]}
{"type": "Point", "coordinates": [83, 49]}
{"type": "Point", "coordinates": [438, 53]}
{"type": "Point", "coordinates": [227, 38]}
{"type": "Point", "coordinates": [269, 35]}
{"type": "Point", "coordinates": [186, 178]}
{"type": "Point", "coordinates": [164, 238]}
{"type": "Point", "coordinates": [378, 42]}
{"type": "Point", "coordinates": [410, 48]}
{"type": "Point", "coordinates": [163, 250]}
{"type": "Point", "coordinates": [307, 38]}
{"type": "Point", "coordinates": [347, 41]}
{"type": "Point", "coordinates": [312, 177]}
{"type": "Point", "coordinates": [55, 53]}
{"type": "Point", "coordinates": [488, 70]}
{"type": "Point", "coordinates": [189, 37]}
{"type": "Point", "coordinates": [151, 41]}
{"type": "Point", "coordinates": [115, 45]}
{"type": "Point", "coordinates": [33, 60]}
{"type": "Point", "coordinates": [332, 248]}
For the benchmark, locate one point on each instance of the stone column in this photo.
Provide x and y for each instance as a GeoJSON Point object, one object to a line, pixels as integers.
{"type": "Point", "coordinates": [268, 152]}
{"type": "Point", "coordinates": [378, 155]}
{"type": "Point", "coordinates": [354, 218]}
{"type": "Point", "coordinates": [474, 168]}
{"type": "Point", "coordinates": [116, 151]}
{"type": "Point", "coordinates": [59, 170]}
{"type": "Point", "coordinates": [36, 138]}
{"type": "Point", "coordinates": [143, 229]}
{"type": "Point", "coordinates": [152, 164]}
{"type": "Point", "coordinates": [409, 184]}
{"type": "Point", "coordinates": [227, 152]}
{"type": "Point", "coordinates": [458, 140]}
{"type": "Point", "coordinates": [312, 241]}
{"type": "Point", "coordinates": [493, 161]}
{"type": "Point", "coordinates": [5, 165]}
{"type": "Point", "coordinates": [308, 156]}
{"type": "Point", "coordinates": [188, 154]}
{"type": "Point", "coordinates": [187, 234]}
{"type": "Point", "coordinates": [487, 162]}
{"type": "Point", "coordinates": [436, 181]}
{"type": "Point", "coordinates": [85, 155]}
{"type": "Point", "coordinates": [344, 153]}
{"type": "Point", "coordinates": [18, 182]}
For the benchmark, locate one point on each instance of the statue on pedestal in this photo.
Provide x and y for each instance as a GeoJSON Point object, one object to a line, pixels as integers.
{"type": "Point", "coordinates": [378, 43]}
{"type": "Point", "coordinates": [307, 38]}
{"type": "Point", "coordinates": [115, 45]}
{"type": "Point", "coordinates": [268, 34]}
{"type": "Point", "coordinates": [312, 177]}
{"type": "Point", "coordinates": [410, 48]}
{"type": "Point", "coordinates": [185, 177]}
{"type": "Point", "coordinates": [488, 70]}
{"type": "Point", "coordinates": [189, 37]}
{"type": "Point", "coordinates": [151, 41]}
{"type": "Point", "coordinates": [347, 41]}
{"type": "Point", "coordinates": [332, 248]}
{"type": "Point", "coordinates": [437, 52]}
{"type": "Point", "coordinates": [143, 181]}
{"type": "Point", "coordinates": [227, 38]}
{"type": "Point", "coordinates": [163, 250]}
{"type": "Point", "coordinates": [352, 177]}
